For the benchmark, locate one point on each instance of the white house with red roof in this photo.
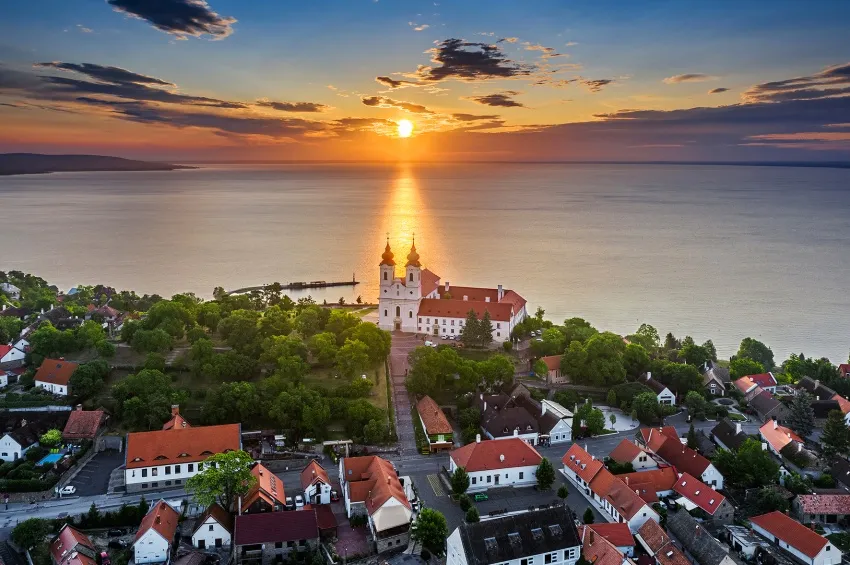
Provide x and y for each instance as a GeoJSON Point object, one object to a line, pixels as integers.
{"type": "Point", "coordinates": [630, 452]}
{"type": "Point", "coordinates": [697, 494]}
{"type": "Point", "coordinates": [777, 437]}
{"type": "Point", "coordinates": [156, 534]}
{"type": "Point", "coordinates": [316, 484]}
{"type": "Point", "coordinates": [497, 463]}
{"type": "Point", "coordinates": [803, 543]}
{"type": "Point", "coordinates": [72, 547]}
{"type": "Point", "coordinates": [11, 357]}
{"type": "Point", "coordinates": [418, 303]}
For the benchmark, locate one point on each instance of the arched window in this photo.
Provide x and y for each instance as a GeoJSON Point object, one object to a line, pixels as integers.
{"type": "Point", "coordinates": [398, 311]}
{"type": "Point", "coordinates": [411, 276]}
{"type": "Point", "coordinates": [385, 313]}
{"type": "Point", "coordinates": [410, 314]}
{"type": "Point", "coordinates": [385, 275]}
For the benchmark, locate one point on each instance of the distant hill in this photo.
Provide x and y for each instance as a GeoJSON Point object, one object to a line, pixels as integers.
{"type": "Point", "coordinates": [35, 163]}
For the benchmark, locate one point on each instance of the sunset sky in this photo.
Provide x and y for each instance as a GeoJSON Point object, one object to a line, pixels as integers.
{"type": "Point", "coordinates": [478, 79]}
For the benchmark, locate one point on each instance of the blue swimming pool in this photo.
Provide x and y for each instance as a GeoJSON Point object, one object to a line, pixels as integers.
{"type": "Point", "coordinates": [50, 458]}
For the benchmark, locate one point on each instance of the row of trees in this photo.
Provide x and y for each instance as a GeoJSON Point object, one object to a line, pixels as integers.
{"type": "Point", "coordinates": [433, 370]}
{"type": "Point", "coordinates": [475, 332]}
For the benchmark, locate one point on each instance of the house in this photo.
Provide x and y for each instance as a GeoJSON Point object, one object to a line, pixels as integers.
{"type": "Point", "coordinates": [54, 375]}
{"type": "Point", "coordinates": [653, 484]}
{"type": "Point", "coordinates": [492, 463]}
{"type": "Point", "coordinates": [822, 408]}
{"type": "Point", "coordinates": [715, 379]}
{"type": "Point", "coordinates": [163, 458]}
{"type": "Point", "coordinates": [214, 528]}
{"type": "Point", "coordinates": [72, 547]}
{"type": "Point", "coordinates": [697, 540]}
{"type": "Point", "coordinates": [697, 494]}
{"type": "Point", "coordinates": [630, 452]}
{"type": "Point", "coordinates": [599, 550]}
{"type": "Point", "coordinates": [326, 521]}
{"type": "Point", "coordinates": [316, 484]}
{"type": "Point", "coordinates": [617, 535]}
{"type": "Point", "coordinates": [11, 357]}
{"type": "Point", "coordinates": [656, 435]}
{"type": "Point", "coordinates": [438, 431]}
{"type": "Point", "coordinates": [14, 444]}
{"type": "Point", "coordinates": [529, 538]}
{"type": "Point", "coordinates": [841, 473]}
{"type": "Point", "coordinates": [807, 546]}
{"type": "Point", "coordinates": [778, 437]}
{"type": "Point", "coordinates": [554, 422]}
{"type": "Point", "coordinates": [765, 380]}
{"type": "Point", "coordinates": [844, 406]}
{"type": "Point", "coordinates": [156, 535]}
{"type": "Point", "coordinates": [659, 545]}
{"type": "Point", "coordinates": [553, 365]}
{"type": "Point", "coordinates": [826, 508]}
{"type": "Point", "coordinates": [745, 384]}
{"type": "Point", "coordinates": [664, 394]}
{"type": "Point", "coordinates": [815, 388]}
{"type": "Point", "coordinates": [10, 290]}
{"type": "Point", "coordinates": [370, 486]}
{"type": "Point", "coordinates": [744, 541]}
{"type": "Point", "coordinates": [728, 435]}
{"type": "Point", "coordinates": [12, 312]}
{"type": "Point", "coordinates": [503, 417]}
{"type": "Point", "coordinates": [683, 458]}
{"type": "Point", "coordinates": [83, 425]}
{"type": "Point", "coordinates": [271, 537]}
{"type": "Point", "coordinates": [844, 370]}
{"type": "Point", "coordinates": [768, 408]}
{"type": "Point", "coordinates": [267, 494]}
{"type": "Point", "coordinates": [581, 467]}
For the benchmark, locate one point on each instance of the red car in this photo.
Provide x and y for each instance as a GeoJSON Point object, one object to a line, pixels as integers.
{"type": "Point", "coordinates": [334, 496]}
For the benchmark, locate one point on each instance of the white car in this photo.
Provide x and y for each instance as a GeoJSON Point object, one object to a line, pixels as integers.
{"type": "Point", "coordinates": [299, 501]}
{"type": "Point", "coordinates": [430, 344]}
{"type": "Point", "coordinates": [66, 490]}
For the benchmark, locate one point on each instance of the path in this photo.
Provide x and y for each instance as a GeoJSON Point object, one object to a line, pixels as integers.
{"type": "Point", "coordinates": [402, 345]}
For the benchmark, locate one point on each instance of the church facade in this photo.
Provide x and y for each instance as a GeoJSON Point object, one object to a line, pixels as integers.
{"type": "Point", "coordinates": [419, 303]}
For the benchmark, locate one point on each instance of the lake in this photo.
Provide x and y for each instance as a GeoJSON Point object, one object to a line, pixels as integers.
{"type": "Point", "coordinates": [718, 252]}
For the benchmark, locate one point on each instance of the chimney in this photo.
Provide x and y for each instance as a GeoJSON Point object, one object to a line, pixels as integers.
{"type": "Point", "coordinates": [648, 375]}
{"type": "Point", "coordinates": [79, 407]}
{"type": "Point", "coordinates": [516, 432]}
{"type": "Point", "coordinates": [42, 310]}
{"type": "Point", "coordinates": [158, 519]}
{"type": "Point", "coordinates": [485, 405]}
{"type": "Point", "coordinates": [500, 293]}
{"type": "Point", "coordinates": [775, 425]}
{"type": "Point", "coordinates": [175, 409]}
{"type": "Point", "coordinates": [477, 438]}
{"type": "Point", "coordinates": [447, 286]}
{"type": "Point", "coordinates": [799, 447]}
{"type": "Point", "coordinates": [592, 536]}
{"type": "Point", "coordinates": [626, 479]}
{"type": "Point", "coordinates": [4, 307]}
{"type": "Point", "coordinates": [388, 480]}
{"type": "Point", "coordinates": [737, 428]}
{"type": "Point", "coordinates": [817, 383]}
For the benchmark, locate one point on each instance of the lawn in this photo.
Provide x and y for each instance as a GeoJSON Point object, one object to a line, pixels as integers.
{"type": "Point", "coordinates": [737, 417]}
{"type": "Point", "coordinates": [326, 378]}
{"type": "Point", "coordinates": [841, 541]}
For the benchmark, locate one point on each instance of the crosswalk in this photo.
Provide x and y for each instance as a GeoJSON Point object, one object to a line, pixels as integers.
{"type": "Point", "coordinates": [436, 485]}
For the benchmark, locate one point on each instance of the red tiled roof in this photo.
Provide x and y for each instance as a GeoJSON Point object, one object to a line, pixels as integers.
{"type": "Point", "coordinates": [603, 482]}
{"type": "Point", "coordinates": [428, 282]}
{"type": "Point", "coordinates": [180, 445]}
{"type": "Point", "coordinates": [372, 480]}
{"type": "Point", "coordinates": [671, 555]}
{"type": "Point", "coordinates": [625, 452]}
{"type": "Point", "coordinates": [4, 349]}
{"type": "Point", "coordinates": [312, 473]}
{"type": "Point", "coordinates": [161, 518]}
{"type": "Point", "coordinates": [269, 488]}
{"type": "Point", "coordinates": [580, 462]}
{"type": "Point", "coordinates": [653, 535]}
{"type": "Point", "coordinates": [495, 454]}
{"type": "Point", "coordinates": [685, 459]}
{"type": "Point", "coordinates": [83, 424]}
{"type": "Point", "coordinates": [843, 403]}
{"type": "Point", "coordinates": [66, 543]}
{"type": "Point", "coordinates": [744, 384]}
{"type": "Point", "coordinates": [617, 533]}
{"type": "Point", "coordinates": [553, 362]}
{"type": "Point", "coordinates": [596, 549]}
{"type": "Point", "coordinates": [652, 436]}
{"type": "Point", "coordinates": [55, 371]}
{"type": "Point", "coordinates": [791, 532]}
{"type": "Point", "coordinates": [176, 421]}
{"type": "Point", "coordinates": [824, 503]}
{"type": "Point", "coordinates": [624, 499]}
{"type": "Point", "coordinates": [699, 493]}
{"type": "Point", "coordinates": [270, 527]}
{"type": "Point", "coordinates": [778, 437]}
{"type": "Point", "coordinates": [434, 419]}
{"type": "Point", "coordinates": [219, 514]}
{"type": "Point", "coordinates": [325, 518]}
{"type": "Point", "coordinates": [844, 368]}
{"type": "Point", "coordinates": [460, 308]}
{"type": "Point", "coordinates": [653, 480]}
{"type": "Point", "coordinates": [764, 380]}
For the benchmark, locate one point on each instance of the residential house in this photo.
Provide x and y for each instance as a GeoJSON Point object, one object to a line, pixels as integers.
{"type": "Point", "coordinates": [769, 408]}
{"type": "Point", "coordinates": [554, 422]}
{"type": "Point", "coordinates": [844, 370]}
{"type": "Point", "coordinates": [14, 444]}
{"type": "Point", "coordinates": [10, 290]}
{"type": "Point", "coordinates": [841, 473]}
{"type": "Point", "coordinates": [653, 484]}
{"type": "Point", "coordinates": [844, 406]}
{"type": "Point", "coordinates": [617, 534]}
{"type": "Point", "coordinates": [54, 376]}
{"type": "Point", "coordinates": [664, 394]}
{"type": "Point", "coordinates": [316, 484]}
{"type": "Point", "coordinates": [815, 388]}
{"type": "Point", "coordinates": [370, 486]}
{"type": "Point", "coordinates": [599, 550]}
{"type": "Point", "coordinates": [630, 452]}
{"type": "Point", "coordinates": [11, 357]}
{"type": "Point", "coordinates": [659, 545]}
{"type": "Point", "coordinates": [539, 537]}
{"type": "Point", "coordinates": [271, 537]}
{"type": "Point", "coordinates": [503, 417]}
{"type": "Point", "coordinates": [15, 312]}
{"type": "Point", "coordinates": [778, 437]}
{"type": "Point", "coordinates": [744, 540]}
{"type": "Point", "coordinates": [696, 494]}
{"type": "Point", "coordinates": [156, 535]}
{"type": "Point", "coordinates": [715, 379]}
{"type": "Point", "coordinates": [72, 547]}
{"type": "Point", "coordinates": [807, 546]}
{"type": "Point", "coordinates": [581, 467]}
{"type": "Point", "coordinates": [826, 508]}
{"type": "Point", "coordinates": [176, 421]}
{"type": "Point", "coordinates": [554, 375]}
{"type": "Point", "coordinates": [765, 380]}
{"type": "Point", "coordinates": [729, 435]}
{"type": "Point", "coordinates": [438, 430]}
{"type": "Point", "coordinates": [745, 384]}
{"type": "Point", "coordinates": [213, 529]}
{"type": "Point", "coordinates": [822, 408]}
{"type": "Point", "coordinates": [169, 457]}
{"type": "Point", "coordinates": [267, 494]}
{"type": "Point", "coordinates": [492, 463]}
{"type": "Point", "coordinates": [656, 435]}
{"type": "Point", "coordinates": [697, 541]}
{"type": "Point", "coordinates": [682, 457]}
{"type": "Point", "coordinates": [83, 425]}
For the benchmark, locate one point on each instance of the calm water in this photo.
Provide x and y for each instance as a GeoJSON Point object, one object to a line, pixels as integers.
{"type": "Point", "coordinates": [715, 252]}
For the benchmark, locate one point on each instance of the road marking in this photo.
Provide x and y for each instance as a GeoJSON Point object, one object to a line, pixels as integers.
{"type": "Point", "coordinates": [434, 481]}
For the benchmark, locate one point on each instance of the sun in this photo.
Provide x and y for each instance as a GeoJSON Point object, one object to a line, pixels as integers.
{"type": "Point", "coordinates": [405, 128]}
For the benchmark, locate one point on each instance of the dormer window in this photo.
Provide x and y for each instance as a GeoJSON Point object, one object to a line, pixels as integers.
{"type": "Point", "coordinates": [696, 493]}
{"type": "Point", "coordinates": [160, 457]}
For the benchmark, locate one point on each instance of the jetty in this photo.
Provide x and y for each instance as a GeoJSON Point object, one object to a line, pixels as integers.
{"type": "Point", "coordinates": [300, 285]}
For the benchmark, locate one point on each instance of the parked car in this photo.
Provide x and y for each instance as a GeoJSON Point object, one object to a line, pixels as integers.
{"type": "Point", "coordinates": [430, 344]}
{"type": "Point", "coordinates": [116, 544]}
{"type": "Point", "coordinates": [481, 496]}
{"type": "Point", "coordinates": [104, 558]}
{"type": "Point", "coordinates": [68, 489]}
{"type": "Point", "coordinates": [289, 504]}
{"type": "Point", "coordinates": [334, 496]}
{"type": "Point", "coordinates": [115, 532]}
{"type": "Point", "coordinates": [299, 501]}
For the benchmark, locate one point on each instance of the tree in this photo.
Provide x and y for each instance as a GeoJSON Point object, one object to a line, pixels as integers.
{"type": "Point", "coordinates": [551, 342]}
{"type": "Point", "coordinates": [836, 436]}
{"type": "Point", "coordinates": [645, 406]}
{"type": "Point", "coordinates": [151, 340]}
{"type": "Point", "coordinates": [743, 367]}
{"type": "Point", "coordinates": [155, 361]}
{"type": "Point", "coordinates": [431, 530]}
{"type": "Point", "coordinates": [545, 474]}
{"type": "Point", "coordinates": [225, 477]}
{"type": "Point", "coordinates": [105, 349]}
{"type": "Point", "coordinates": [750, 467]}
{"type": "Point", "coordinates": [563, 492]}
{"type": "Point", "coordinates": [694, 354]}
{"type": "Point", "coordinates": [323, 348]}
{"type": "Point", "coordinates": [470, 334]}
{"type": "Point", "coordinates": [341, 321]}
{"type": "Point", "coordinates": [377, 340]}
{"type": "Point", "coordinates": [89, 377]}
{"type": "Point", "coordinates": [588, 516]}
{"type": "Point", "coordinates": [541, 369]}
{"type": "Point", "coordinates": [574, 362]}
{"type": "Point", "coordinates": [352, 358]}
{"type": "Point", "coordinates": [460, 481]}
{"type": "Point", "coordinates": [769, 500]}
{"type": "Point", "coordinates": [646, 336]}
{"type": "Point", "coordinates": [604, 365]}
{"type": "Point", "coordinates": [231, 403]}
{"type": "Point", "coordinates": [635, 360]}
{"type": "Point", "coordinates": [30, 532]}
{"type": "Point", "coordinates": [611, 398]}
{"type": "Point", "coordinates": [485, 329]}
{"type": "Point", "coordinates": [472, 515]}
{"type": "Point", "coordinates": [696, 405]}
{"type": "Point", "coordinates": [802, 415]}
{"type": "Point", "coordinates": [51, 438]}
{"type": "Point", "coordinates": [692, 437]}
{"type": "Point", "coordinates": [757, 351]}
{"type": "Point", "coordinates": [613, 419]}
{"type": "Point", "coordinates": [144, 400]}
{"type": "Point", "coordinates": [595, 422]}
{"type": "Point", "coordinates": [578, 329]}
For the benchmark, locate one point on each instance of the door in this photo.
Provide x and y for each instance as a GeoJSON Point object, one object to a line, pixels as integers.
{"type": "Point", "coordinates": [496, 480]}
{"type": "Point", "coordinates": [202, 544]}
{"type": "Point", "coordinates": [218, 542]}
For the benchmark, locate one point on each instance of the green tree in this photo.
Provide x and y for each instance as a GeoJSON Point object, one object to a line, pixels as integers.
{"type": "Point", "coordinates": [645, 405]}
{"type": "Point", "coordinates": [541, 369]}
{"type": "Point", "coordinates": [470, 335]}
{"type": "Point", "coordinates": [545, 474]}
{"type": "Point", "coordinates": [144, 400]}
{"type": "Point", "coordinates": [209, 315]}
{"type": "Point", "coordinates": [611, 399]}
{"type": "Point", "coordinates": [156, 340]}
{"type": "Point", "coordinates": [743, 367]}
{"type": "Point", "coordinates": [155, 361]}
{"type": "Point", "coordinates": [323, 348]}
{"type": "Point", "coordinates": [694, 354]}
{"type": "Point", "coordinates": [646, 336]}
{"type": "Point", "coordinates": [231, 403]}
{"type": "Point", "coordinates": [278, 346]}
{"type": "Point", "coordinates": [352, 358]}
{"type": "Point", "coordinates": [496, 372]}
{"type": "Point", "coordinates": [105, 349]}
{"type": "Point", "coordinates": [604, 365]}
{"type": "Point", "coordinates": [635, 360]}
{"type": "Point", "coordinates": [485, 329]}
{"type": "Point", "coordinates": [757, 351]}
{"type": "Point", "coordinates": [30, 532]}
{"type": "Point", "coordinates": [472, 515]}
{"type": "Point", "coordinates": [750, 467]}
{"type": "Point", "coordinates": [578, 329]}
{"type": "Point", "coordinates": [51, 438]}
{"type": "Point", "coordinates": [770, 500]}
{"type": "Point", "coordinates": [431, 530]}
{"type": "Point", "coordinates": [225, 477]}
{"type": "Point", "coordinates": [10, 328]}
{"type": "Point", "coordinates": [802, 416]}
{"type": "Point", "coordinates": [563, 492]}
{"type": "Point", "coordinates": [377, 340]}
{"type": "Point", "coordinates": [696, 405]}
{"type": "Point", "coordinates": [613, 419]}
{"type": "Point", "coordinates": [551, 342]}
{"type": "Point", "coordinates": [692, 437]}
{"type": "Point", "coordinates": [574, 362]}
{"type": "Point", "coordinates": [460, 481]}
{"type": "Point", "coordinates": [375, 432]}
{"type": "Point", "coordinates": [595, 422]}
{"type": "Point", "coordinates": [588, 516]}
{"type": "Point", "coordinates": [88, 379]}
{"type": "Point", "coordinates": [836, 436]}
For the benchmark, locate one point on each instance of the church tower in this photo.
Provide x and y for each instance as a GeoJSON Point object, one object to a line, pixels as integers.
{"type": "Point", "coordinates": [413, 271]}
{"type": "Point", "coordinates": [387, 266]}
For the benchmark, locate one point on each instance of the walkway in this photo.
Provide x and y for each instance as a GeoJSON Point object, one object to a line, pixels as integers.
{"type": "Point", "coordinates": [403, 344]}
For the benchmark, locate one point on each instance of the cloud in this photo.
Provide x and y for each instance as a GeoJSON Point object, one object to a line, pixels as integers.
{"type": "Point", "coordinates": [571, 43]}
{"type": "Point", "coordinates": [830, 82]}
{"type": "Point", "coordinates": [418, 27]}
{"type": "Point", "coordinates": [718, 90]}
{"type": "Point", "coordinates": [384, 102]}
{"type": "Point", "coordinates": [689, 77]}
{"type": "Point", "coordinates": [392, 83]}
{"type": "Point", "coordinates": [178, 17]}
{"type": "Point", "coordinates": [548, 52]}
{"type": "Point", "coordinates": [508, 40]}
{"type": "Point", "coordinates": [293, 106]}
{"type": "Point", "coordinates": [502, 99]}
{"type": "Point", "coordinates": [84, 29]}
{"type": "Point", "coordinates": [474, 117]}
{"type": "Point", "coordinates": [469, 61]}
{"type": "Point", "coordinates": [114, 75]}
{"type": "Point", "coordinates": [596, 85]}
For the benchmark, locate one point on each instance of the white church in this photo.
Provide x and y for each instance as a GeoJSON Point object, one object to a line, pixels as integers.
{"type": "Point", "coordinates": [418, 303]}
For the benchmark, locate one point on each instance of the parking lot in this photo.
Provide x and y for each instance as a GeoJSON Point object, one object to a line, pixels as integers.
{"type": "Point", "coordinates": [94, 477]}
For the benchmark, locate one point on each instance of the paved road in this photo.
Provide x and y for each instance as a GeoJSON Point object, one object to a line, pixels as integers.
{"type": "Point", "coordinates": [93, 479]}
{"type": "Point", "coordinates": [402, 345]}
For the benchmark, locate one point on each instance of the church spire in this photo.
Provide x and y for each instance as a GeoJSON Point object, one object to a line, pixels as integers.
{"type": "Point", "coordinates": [387, 258]}
{"type": "Point", "coordinates": [413, 256]}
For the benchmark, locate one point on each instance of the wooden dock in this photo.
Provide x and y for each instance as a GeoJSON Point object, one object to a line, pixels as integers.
{"type": "Point", "coordinates": [299, 285]}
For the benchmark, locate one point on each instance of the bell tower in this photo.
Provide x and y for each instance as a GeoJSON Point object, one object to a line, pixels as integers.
{"type": "Point", "coordinates": [413, 271]}
{"type": "Point", "coordinates": [387, 266]}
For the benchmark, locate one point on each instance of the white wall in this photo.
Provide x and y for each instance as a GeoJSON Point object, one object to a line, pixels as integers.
{"type": "Point", "coordinates": [61, 390]}
{"type": "Point", "coordinates": [507, 477]}
{"type": "Point", "coordinates": [667, 397]}
{"type": "Point", "coordinates": [644, 461]}
{"type": "Point", "coordinates": [829, 555]}
{"type": "Point", "coordinates": [209, 531]}
{"type": "Point", "coordinates": [151, 548]}
{"type": "Point", "coordinates": [14, 354]}
{"type": "Point", "coordinates": [561, 433]}
{"type": "Point", "coordinates": [454, 549]}
{"type": "Point", "coordinates": [321, 489]}
{"type": "Point", "coordinates": [530, 438]}
{"type": "Point", "coordinates": [144, 475]}
{"type": "Point", "coordinates": [712, 477]}
{"type": "Point", "coordinates": [10, 450]}
{"type": "Point", "coordinates": [456, 556]}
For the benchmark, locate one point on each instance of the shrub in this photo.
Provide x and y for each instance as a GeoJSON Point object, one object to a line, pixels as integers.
{"type": "Point", "coordinates": [472, 515]}
{"type": "Point", "coordinates": [507, 346]}
{"type": "Point", "coordinates": [464, 502]}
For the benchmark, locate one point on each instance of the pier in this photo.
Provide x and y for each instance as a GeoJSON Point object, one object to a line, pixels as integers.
{"type": "Point", "coordinates": [299, 285]}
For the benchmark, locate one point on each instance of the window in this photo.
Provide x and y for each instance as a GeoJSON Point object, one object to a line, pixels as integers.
{"type": "Point", "coordinates": [444, 321]}
{"type": "Point", "coordinates": [419, 328]}
{"type": "Point", "coordinates": [521, 475]}
{"type": "Point", "coordinates": [550, 558]}
{"type": "Point", "coordinates": [154, 472]}
{"type": "Point", "coordinates": [385, 275]}
{"type": "Point", "coordinates": [453, 322]}
{"type": "Point", "coordinates": [523, 562]}
{"type": "Point", "coordinates": [154, 485]}
{"type": "Point", "coordinates": [488, 478]}
{"type": "Point", "coordinates": [192, 467]}
{"type": "Point", "coordinates": [498, 334]}
{"type": "Point", "coordinates": [144, 485]}
{"type": "Point", "coordinates": [453, 330]}
{"type": "Point", "coordinates": [168, 483]}
{"type": "Point", "coordinates": [278, 545]}
{"type": "Point", "coordinates": [474, 480]}
{"type": "Point", "coordinates": [411, 277]}
{"type": "Point", "coordinates": [176, 469]}
{"type": "Point", "coordinates": [410, 314]}
{"type": "Point", "coordinates": [427, 320]}
{"type": "Point", "coordinates": [420, 320]}
{"type": "Point", "coordinates": [290, 544]}
{"type": "Point", "coordinates": [167, 470]}
{"type": "Point", "coordinates": [385, 312]}
{"type": "Point", "coordinates": [398, 311]}
{"type": "Point", "coordinates": [144, 472]}
{"type": "Point", "coordinates": [211, 528]}
{"type": "Point", "coordinates": [498, 326]}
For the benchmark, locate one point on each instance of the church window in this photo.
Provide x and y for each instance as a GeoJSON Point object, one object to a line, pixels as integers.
{"type": "Point", "coordinates": [397, 311]}
{"type": "Point", "coordinates": [385, 275]}
{"type": "Point", "coordinates": [410, 314]}
{"type": "Point", "coordinates": [411, 277]}
{"type": "Point", "coordinates": [385, 312]}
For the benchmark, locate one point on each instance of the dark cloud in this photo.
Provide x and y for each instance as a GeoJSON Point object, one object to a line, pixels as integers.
{"type": "Point", "coordinates": [501, 99]}
{"type": "Point", "coordinates": [10, 79]}
{"type": "Point", "coordinates": [361, 123]}
{"type": "Point", "coordinates": [392, 83]}
{"type": "Point", "coordinates": [178, 17]}
{"type": "Point", "coordinates": [294, 106]}
{"type": "Point", "coordinates": [492, 124]}
{"type": "Point", "coordinates": [384, 102]}
{"type": "Point", "coordinates": [597, 84]}
{"type": "Point", "coordinates": [474, 117]}
{"type": "Point", "coordinates": [718, 90]}
{"type": "Point", "coordinates": [469, 61]}
{"type": "Point", "coordinates": [689, 77]}
{"type": "Point", "coordinates": [830, 82]}
{"type": "Point", "coordinates": [114, 75]}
